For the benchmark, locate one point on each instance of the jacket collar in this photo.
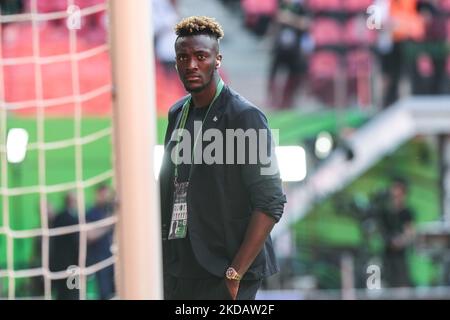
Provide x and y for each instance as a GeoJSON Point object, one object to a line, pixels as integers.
{"type": "Point", "coordinates": [214, 115]}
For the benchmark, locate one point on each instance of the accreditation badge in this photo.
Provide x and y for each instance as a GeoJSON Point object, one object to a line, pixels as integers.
{"type": "Point", "coordinates": [178, 224]}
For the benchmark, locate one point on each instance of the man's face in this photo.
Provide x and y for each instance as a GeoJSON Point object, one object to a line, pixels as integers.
{"type": "Point", "coordinates": [197, 59]}
{"type": "Point", "coordinates": [102, 196]}
{"type": "Point", "coordinates": [398, 192]}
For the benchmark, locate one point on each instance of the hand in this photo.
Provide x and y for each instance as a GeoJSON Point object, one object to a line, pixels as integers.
{"type": "Point", "coordinates": [233, 287]}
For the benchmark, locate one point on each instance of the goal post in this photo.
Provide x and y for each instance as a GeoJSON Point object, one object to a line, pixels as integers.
{"type": "Point", "coordinates": [134, 117]}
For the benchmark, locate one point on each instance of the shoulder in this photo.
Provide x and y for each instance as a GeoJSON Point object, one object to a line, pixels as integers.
{"type": "Point", "coordinates": [177, 106]}
{"type": "Point", "coordinates": [239, 108]}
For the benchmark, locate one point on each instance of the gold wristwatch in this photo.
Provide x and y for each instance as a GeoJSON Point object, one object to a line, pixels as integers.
{"type": "Point", "coordinates": [232, 274]}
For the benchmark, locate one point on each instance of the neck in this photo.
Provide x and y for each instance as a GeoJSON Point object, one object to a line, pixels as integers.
{"type": "Point", "coordinates": [206, 96]}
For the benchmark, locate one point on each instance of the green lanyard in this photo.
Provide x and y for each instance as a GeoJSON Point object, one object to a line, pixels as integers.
{"type": "Point", "coordinates": [184, 116]}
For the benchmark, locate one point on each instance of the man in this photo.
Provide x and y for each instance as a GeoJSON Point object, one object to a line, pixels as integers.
{"type": "Point", "coordinates": [100, 241]}
{"type": "Point", "coordinates": [289, 53]}
{"type": "Point", "coordinates": [406, 27]}
{"type": "Point", "coordinates": [64, 248]}
{"type": "Point", "coordinates": [220, 248]}
{"type": "Point", "coordinates": [398, 232]}
{"type": "Point", "coordinates": [435, 47]}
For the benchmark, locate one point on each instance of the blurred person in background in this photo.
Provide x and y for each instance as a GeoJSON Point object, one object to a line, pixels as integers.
{"type": "Point", "coordinates": [64, 249]}
{"type": "Point", "coordinates": [259, 14]}
{"type": "Point", "coordinates": [288, 54]}
{"type": "Point", "coordinates": [403, 26]}
{"type": "Point", "coordinates": [11, 6]}
{"type": "Point", "coordinates": [165, 16]}
{"type": "Point", "coordinates": [37, 288]}
{"type": "Point", "coordinates": [432, 52]}
{"type": "Point", "coordinates": [100, 241]}
{"type": "Point", "coordinates": [397, 228]}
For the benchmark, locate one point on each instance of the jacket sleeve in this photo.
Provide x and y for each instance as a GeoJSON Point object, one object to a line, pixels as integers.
{"type": "Point", "coordinates": [261, 174]}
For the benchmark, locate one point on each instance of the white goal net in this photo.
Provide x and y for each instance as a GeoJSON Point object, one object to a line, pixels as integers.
{"type": "Point", "coordinates": [56, 217]}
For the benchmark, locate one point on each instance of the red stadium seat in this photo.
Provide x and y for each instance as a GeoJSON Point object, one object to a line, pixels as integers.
{"type": "Point", "coordinates": [325, 5]}
{"type": "Point", "coordinates": [45, 6]}
{"type": "Point", "coordinates": [323, 69]}
{"type": "Point", "coordinates": [17, 40]}
{"type": "Point", "coordinates": [258, 14]}
{"type": "Point", "coordinates": [258, 7]}
{"type": "Point", "coordinates": [88, 3]}
{"type": "Point", "coordinates": [94, 72]}
{"type": "Point", "coordinates": [357, 33]}
{"type": "Point", "coordinates": [359, 63]}
{"type": "Point", "coordinates": [326, 31]}
{"type": "Point", "coordinates": [424, 65]}
{"type": "Point", "coordinates": [323, 64]}
{"type": "Point", "coordinates": [358, 69]}
{"type": "Point", "coordinates": [445, 5]}
{"type": "Point", "coordinates": [448, 29]}
{"type": "Point", "coordinates": [356, 5]}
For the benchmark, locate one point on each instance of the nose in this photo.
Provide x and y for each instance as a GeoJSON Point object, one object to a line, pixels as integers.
{"type": "Point", "coordinates": [192, 64]}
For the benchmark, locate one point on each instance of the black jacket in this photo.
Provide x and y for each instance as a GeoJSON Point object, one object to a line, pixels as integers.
{"type": "Point", "coordinates": [222, 197]}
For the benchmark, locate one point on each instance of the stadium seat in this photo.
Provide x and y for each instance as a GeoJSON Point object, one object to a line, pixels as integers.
{"type": "Point", "coordinates": [326, 32]}
{"type": "Point", "coordinates": [19, 83]}
{"type": "Point", "coordinates": [323, 64]}
{"type": "Point", "coordinates": [45, 6]}
{"type": "Point", "coordinates": [258, 14]}
{"type": "Point", "coordinates": [258, 7]}
{"type": "Point", "coordinates": [17, 40]}
{"type": "Point", "coordinates": [88, 3]}
{"type": "Point", "coordinates": [358, 72]}
{"type": "Point", "coordinates": [323, 68]}
{"type": "Point", "coordinates": [94, 72]}
{"type": "Point", "coordinates": [424, 65]}
{"type": "Point", "coordinates": [445, 5]}
{"type": "Point", "coordinates": [325, 5]}
{"type": "Point", "coordinates": [357, 33]}
{"type": "Point", "coordinates": [356, 5]}
{"type": "Point", "coordinates": [358, 63]}
{"type": "Point", "coordinates": [448, 29]}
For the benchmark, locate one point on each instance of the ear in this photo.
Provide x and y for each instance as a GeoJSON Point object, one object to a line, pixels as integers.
{"type": "Point", "coordinates": [218, 61]}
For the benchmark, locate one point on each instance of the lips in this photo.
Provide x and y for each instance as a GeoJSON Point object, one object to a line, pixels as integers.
{"type": "Point", "coordinates": [193, 78]}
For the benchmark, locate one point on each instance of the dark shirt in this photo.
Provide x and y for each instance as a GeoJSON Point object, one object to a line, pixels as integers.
{"type": "Point", "coordinates": [185, 264]}
{"type": "Point", "coordinates": [288, 38]}
{"type": "Point", "coordinates": [222, 197]}
{"type": "Point", "coordinates": [64, 248]}
{"type": "Point", "coordinates": [100, 249]}
{"type": "Point", "coordinates": [393, 224]}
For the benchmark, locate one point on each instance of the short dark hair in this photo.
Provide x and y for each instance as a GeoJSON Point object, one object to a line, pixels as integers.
{"type": "Point", "coordinates": [197, 25]}
{"type": "Point", "coordinates": [400, 181]}
{"type": "Point", "coordinates": [101, 187]}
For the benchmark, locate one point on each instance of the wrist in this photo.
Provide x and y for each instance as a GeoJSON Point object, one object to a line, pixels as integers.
{"type": "Point", "coordinates": [232, 274]}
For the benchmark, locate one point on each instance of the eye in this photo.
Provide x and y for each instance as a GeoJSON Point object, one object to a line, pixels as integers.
{"type": "Point", "coordinates": [201, 57]}
{"type": "Point", "coordinates": [181, 58]}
